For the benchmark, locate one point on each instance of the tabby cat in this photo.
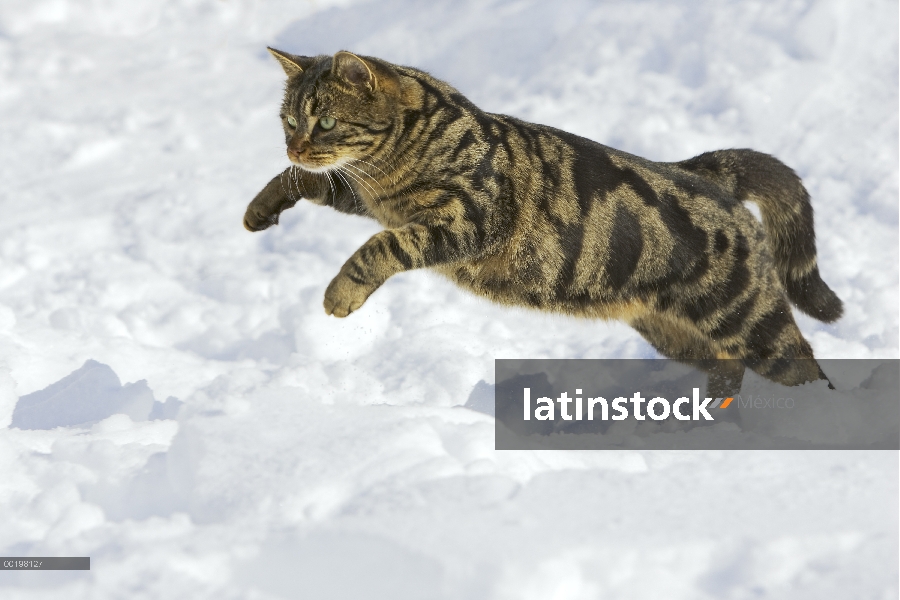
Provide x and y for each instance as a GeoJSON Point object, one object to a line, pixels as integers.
{"type": "Point", "coordinates": [528, 215]}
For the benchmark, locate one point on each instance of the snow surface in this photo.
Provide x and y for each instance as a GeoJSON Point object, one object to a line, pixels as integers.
{"type": "Point", "coordinates": [324, 458]}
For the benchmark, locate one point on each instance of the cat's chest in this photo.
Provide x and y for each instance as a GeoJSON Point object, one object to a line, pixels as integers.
{"type": "Point", "coordinates": [394, 210]}
{"type": "Point", "coordinates": [389, 213]}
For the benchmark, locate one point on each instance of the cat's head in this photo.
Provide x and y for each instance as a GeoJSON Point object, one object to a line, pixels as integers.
{"type": "Point", "coordinates": [336, 108]}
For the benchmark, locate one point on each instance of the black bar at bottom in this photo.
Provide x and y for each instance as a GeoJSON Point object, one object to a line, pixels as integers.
{"type": "Point", "coordinates": [45, 563]}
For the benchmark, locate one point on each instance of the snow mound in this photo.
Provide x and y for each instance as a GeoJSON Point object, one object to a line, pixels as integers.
{"type": "Point", "coordinates": [87, 396]}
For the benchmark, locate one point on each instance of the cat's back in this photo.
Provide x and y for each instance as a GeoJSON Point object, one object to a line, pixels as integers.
{"type": "Point", "coordinates": [596, 171]}
{"type": "Point", "coordinates": [592, 224]}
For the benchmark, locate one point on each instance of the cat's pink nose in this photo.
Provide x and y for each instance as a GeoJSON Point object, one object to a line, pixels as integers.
{"type": "Point", "coordinates": [296, 148]}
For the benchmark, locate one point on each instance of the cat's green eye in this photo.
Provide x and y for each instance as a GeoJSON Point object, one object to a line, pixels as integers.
{"type": "Point", "coordinates": [292, 122]}
{"type": "Point", "coordinates": [327, 123]}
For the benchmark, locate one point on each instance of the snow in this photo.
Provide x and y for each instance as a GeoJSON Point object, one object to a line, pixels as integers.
{"type": "Point", "coordinates": [324, 458]}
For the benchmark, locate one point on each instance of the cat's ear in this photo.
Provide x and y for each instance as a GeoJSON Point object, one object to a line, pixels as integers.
{"type": "Point", "coordinates": [354, 71]}
{"type": "Point", "coordinates": [291, 63]}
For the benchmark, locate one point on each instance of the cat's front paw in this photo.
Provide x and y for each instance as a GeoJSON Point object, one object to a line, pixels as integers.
{"type": "Point", "coordinates": [343, 296]}
{"type": "Point", "coordinates": [271, 201]}
{"type": "Point", "coordinates": [256, 220]}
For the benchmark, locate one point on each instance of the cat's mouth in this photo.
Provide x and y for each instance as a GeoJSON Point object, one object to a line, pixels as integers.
{"type": "Point", "coordinates": [312, 168]}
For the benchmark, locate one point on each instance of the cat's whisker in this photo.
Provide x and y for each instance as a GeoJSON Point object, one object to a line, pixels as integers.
{"type": "Point", "coordinates": [363, 173]}
{"type": "Point", "coordinates": [374, 166]}
{"type": "Point", "coordinates": [387, 161]}
{"type": "Point", "coordinates": [298, 181]}
{"type": "Point", "coordinates": [292, 179]}
{"type": "Point", "coordinates": [340, 173]}
{"type": "Point", "coordinates": [375, 197]}
{"type": "Point", "coordinates": [333, 189]}
{"type": "Point", "coordinates": [288, 191]}
{"type": "Point", "coordinates": [359, 180]}
{"type": "Point", "coordinates": [391, 165]}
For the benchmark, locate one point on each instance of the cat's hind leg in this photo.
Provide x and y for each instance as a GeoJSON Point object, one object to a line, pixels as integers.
{"type": "Point", "coordinates": [681, 340]}
{"type": "Point", "coordinates": [773, 346]}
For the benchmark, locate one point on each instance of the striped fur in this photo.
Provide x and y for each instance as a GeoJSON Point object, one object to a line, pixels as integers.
{"type": "Point", "coordinates": [527, 215]}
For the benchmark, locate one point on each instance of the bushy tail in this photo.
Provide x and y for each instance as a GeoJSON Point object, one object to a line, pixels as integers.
{"type": "Point", "coordinates": [787, 218]}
